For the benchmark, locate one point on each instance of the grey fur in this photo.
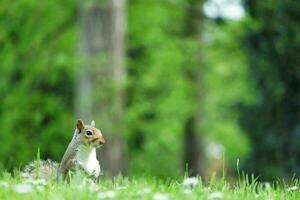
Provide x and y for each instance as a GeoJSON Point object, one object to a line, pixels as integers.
{"type": "Point", "coordinates": [43, 169]}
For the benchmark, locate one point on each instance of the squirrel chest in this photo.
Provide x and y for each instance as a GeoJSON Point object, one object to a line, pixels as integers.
{"type": "Point", "coordinates": [86, 158]}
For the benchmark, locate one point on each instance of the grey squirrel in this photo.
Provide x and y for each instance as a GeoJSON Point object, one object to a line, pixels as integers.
{"type": "Point", "coordinates": [80, 153]}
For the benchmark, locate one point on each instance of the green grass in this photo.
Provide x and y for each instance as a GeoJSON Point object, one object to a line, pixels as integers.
{"type": "Point", "coordinates": [143, 188]}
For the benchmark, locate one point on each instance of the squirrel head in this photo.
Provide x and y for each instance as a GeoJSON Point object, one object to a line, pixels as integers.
{"type": "Point", "coordinates": [89, 134]}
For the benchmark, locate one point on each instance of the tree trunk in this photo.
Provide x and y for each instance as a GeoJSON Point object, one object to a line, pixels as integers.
{"type": "Point", "coordinates": [101, 78]}
{"type": "Point", "coordinates": [194, 157]}
{"type": "Point", "coordinates": [194, 154]}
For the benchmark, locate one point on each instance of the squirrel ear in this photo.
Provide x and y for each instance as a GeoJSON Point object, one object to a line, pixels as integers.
{"type": "Point", "coordinates": [80, 124]}
{"type": "Point", "coordinates": [93, 123]}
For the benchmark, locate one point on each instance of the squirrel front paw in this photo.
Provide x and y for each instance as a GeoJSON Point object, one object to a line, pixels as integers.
{"type": "Point", "coordinates": [96, 172]}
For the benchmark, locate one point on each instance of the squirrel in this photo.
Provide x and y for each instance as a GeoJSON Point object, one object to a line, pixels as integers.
{"type": "Point", "coordinates": [80, 154]}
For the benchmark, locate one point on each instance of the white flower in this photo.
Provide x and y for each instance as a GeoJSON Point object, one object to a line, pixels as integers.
{"type": "Point", "coordinates": [23, 188]}
{"type": "Point", "coordinates": [267, 186]}
{"type": "Point", "coordinates": [293, 188]}
{"type": "Point", "coordinates": [107, 194]}
{"type": "Point", "coordinates": [215, 195]}
{"type": "Point", "coordinates": [187, 191]}
{"type": "Point", "coordinates": [3, 184]}
{"type": "Point", "coordinates": [190, 182]}
{"type": "Point", "coordinates": [160, 196]}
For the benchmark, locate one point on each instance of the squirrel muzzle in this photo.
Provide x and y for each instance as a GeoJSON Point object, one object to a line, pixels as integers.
{"type": "Point", "coordinates": [101, 140]}
{"type": "Point", "coordinates": [98, 139]}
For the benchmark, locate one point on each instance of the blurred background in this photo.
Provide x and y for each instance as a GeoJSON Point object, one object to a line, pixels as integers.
{"type": "Point", "coordinates": [175, 85]}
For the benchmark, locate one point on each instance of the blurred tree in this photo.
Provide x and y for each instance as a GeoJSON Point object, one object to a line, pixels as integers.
{"type": "Point", "coordinates": [194, 157]}
{"type": "Point", "coordinates": [272, 45]}
{"type": "Point", "coordinates": [101, 77]}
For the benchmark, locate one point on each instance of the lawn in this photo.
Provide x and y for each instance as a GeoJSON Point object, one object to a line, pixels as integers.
{"type": "Point", "coordinates": [143, 188]}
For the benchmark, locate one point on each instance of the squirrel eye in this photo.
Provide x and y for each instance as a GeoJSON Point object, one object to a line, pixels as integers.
{"type": "Point", "coordinates": [89, 132]}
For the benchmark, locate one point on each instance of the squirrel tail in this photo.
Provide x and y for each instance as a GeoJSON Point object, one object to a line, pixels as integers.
{"type": "Point", "coordinates": [41, 169]}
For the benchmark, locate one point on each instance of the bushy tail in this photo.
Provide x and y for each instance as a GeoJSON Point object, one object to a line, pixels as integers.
{"type": "Point", "coordinates": [41, 169]}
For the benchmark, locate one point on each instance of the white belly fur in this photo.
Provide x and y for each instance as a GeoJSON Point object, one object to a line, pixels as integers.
{"type": "Point", "coordinates": [86, 157]}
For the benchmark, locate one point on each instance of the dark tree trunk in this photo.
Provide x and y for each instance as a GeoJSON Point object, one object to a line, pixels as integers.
{"type": "Point", "coordinates": [194, 154]}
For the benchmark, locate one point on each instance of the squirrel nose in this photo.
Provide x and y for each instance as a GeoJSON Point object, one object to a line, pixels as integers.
{"type": "Point", "coordinates": [101, 140]}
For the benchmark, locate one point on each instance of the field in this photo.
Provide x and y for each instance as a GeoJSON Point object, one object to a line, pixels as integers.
{"type": "Point", "coordinates": [144, 188]}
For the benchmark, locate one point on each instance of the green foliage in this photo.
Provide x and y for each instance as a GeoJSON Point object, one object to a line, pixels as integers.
{"type": "Point", "coordinates": [227, 86]}
{"type": "Point", "coordinates": [161, 93]}
{"type": "Point", "coordinates": [173, 75]}
{"type": "Point", "coordinates": [272, 122]}
{"type": "Point", "coordinates": [37, 59]}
